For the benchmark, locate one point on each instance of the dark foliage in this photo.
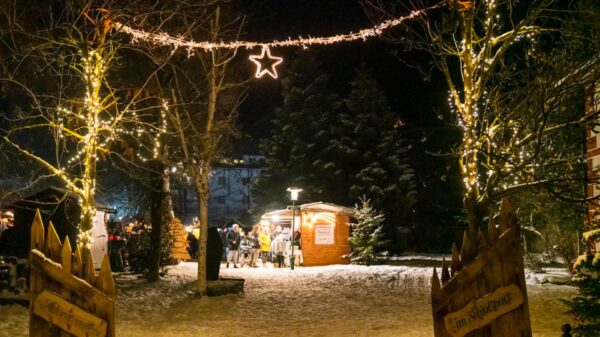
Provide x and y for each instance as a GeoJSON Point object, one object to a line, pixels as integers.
{"type": "Point", "coordinates": [338, 149]}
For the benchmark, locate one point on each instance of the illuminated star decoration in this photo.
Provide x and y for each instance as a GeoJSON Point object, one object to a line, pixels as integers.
{"type": "Point", "coordinates": [266, 63]}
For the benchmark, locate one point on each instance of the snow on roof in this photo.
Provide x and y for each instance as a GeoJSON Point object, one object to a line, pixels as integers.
{"type": "Point", "coordinates": [326, 207]}
{"type": "Point", "coordinates": [313, 206]}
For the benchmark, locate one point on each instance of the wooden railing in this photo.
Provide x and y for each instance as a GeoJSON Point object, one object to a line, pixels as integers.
{"type": "Point", "coordinates": [67, 298]}
{"type": "Point", "coordinates": [482, 291]}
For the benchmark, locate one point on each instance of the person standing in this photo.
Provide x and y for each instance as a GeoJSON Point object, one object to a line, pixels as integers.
{"type": "Point", "coordinates": [276, 232]}
{"type": "Point", "coordinates": [223, 234]}
{"type": "Point", "coordinates": [233, 243]}
{"type": "Point", "coordinates": [279, 248]}
{"type": "Point", "coordinates": [297, 248]}
{"type": "Point", "coordinates": [116, 246]}
{"type": "Point", "coordinates": [254, 245]}
{"type": "Point", "coordinates": [265, 245]}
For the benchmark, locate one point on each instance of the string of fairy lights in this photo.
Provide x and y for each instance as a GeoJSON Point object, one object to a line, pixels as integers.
{"type": "Point", "coordinates": [102, 131]}
{"type": "Point", "coordinates": [265, 62]}
{"type": "Point", "coordinates": [165, 39]}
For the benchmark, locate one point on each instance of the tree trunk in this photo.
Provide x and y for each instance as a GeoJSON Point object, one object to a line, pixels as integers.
{"type": "Point", "coordinates": [202, 190]}
{"type": "Point", "coordinates": [474, 212]}
{"type": "Point", "coordinates": [156, 220]}
{"type": "Point", "coordinates": [92, 65]}
{"type": "Point", "coordinates": [166, 188]}
{"type": "Point", "coordinates": [209, 143]}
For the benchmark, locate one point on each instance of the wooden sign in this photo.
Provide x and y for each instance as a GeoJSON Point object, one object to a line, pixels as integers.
{"type": "Point", "coordinates": [67, 316]}
{"type": "Point", "coordinates": [483, 311]}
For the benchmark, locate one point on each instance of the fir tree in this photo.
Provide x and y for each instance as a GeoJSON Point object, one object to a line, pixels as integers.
{"type": "Point", "coordinates": [337, 150]}
{"type": "Point", "coordinates": [377, 155]}
{"type": "Point", "coordinates": [367, 233]}
{"type": "Point", "coordinates": [300, 135]}
{"type": "Point", "coordinates": [585, 307]}
{"type": "Point", "coordinates": [140, 248]}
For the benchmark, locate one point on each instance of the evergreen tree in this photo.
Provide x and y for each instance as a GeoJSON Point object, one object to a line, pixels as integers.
{"type": "Point", "coordinates": [337, 150]}
{"type": "Point", "coordinates": [585, 307]}
{"type": "Point", "coordinates": [375, 153]}
{"type": "Point", "coordinates": [140, 248]}
{"type": "Point", "coordinates": [299, 136]}
{"type": "Point", "coordinates": [367, 233]}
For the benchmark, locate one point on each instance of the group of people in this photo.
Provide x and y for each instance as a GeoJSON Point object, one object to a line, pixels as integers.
{"type": "Point", "coordinates": [260, 243]}
{"type": "Point", "coordinates": [129, 245]}
{"type": "Point", "coordinates": [118, 253]}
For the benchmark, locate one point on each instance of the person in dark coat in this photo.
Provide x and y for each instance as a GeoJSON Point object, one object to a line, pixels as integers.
{"type": "Point", "coordinates": [192, 246]}
{"type": "Point", "coordinates": [233, 243]}
{"type": "Point", "coordinates": [223, 233]}
{"type": "Point", "coordinates": [8, 242]}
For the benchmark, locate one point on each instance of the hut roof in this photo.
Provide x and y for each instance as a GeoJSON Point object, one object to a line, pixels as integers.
{"type": "Point", "coordinates": [313, 206]}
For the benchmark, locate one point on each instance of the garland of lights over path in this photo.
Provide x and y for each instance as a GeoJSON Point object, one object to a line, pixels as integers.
{"type": "Point", "coordinates": [265, 63]}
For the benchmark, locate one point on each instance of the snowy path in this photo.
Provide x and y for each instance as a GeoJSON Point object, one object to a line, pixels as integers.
{"type": "Point", "coordinates": [317, 301]}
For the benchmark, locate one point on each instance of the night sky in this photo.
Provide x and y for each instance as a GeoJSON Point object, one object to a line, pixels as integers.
{"type": "Point", "coordinates": [420, 103]}
{"type": "Point", "coordinates": [417, 101]}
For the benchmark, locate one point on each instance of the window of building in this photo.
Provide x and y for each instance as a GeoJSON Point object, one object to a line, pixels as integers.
{"type": "Point", "coordinates": [221, 199]}
{"type": "Point", "coordinates": [221, 181]}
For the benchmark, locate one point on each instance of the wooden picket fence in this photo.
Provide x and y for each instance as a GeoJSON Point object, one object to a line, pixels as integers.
{"type": "Point", "coordinates": [67, 298]}
{"type": "Point", "coordinates": [482, 291]}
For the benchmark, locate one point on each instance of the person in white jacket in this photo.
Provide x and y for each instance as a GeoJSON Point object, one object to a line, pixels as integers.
{"type": "Point", "coordinates": [279, 247]}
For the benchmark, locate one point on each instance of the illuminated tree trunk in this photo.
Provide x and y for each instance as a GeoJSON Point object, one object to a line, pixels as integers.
{"type": "Point", "coordinates": [93, 72]}
{"type": "Point", "coordinates": [468, 115]}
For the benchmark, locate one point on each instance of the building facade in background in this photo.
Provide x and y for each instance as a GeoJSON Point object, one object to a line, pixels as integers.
{"type": "Point", "coordinates": [230, 198]}
{"type": "Point", "coordinates": [592, 106]}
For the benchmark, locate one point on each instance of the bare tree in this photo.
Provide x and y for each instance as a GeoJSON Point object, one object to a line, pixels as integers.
{"type": "Point", "coordinates": [201, 140]}
{"type": "Point", "coordinates": [511, 105]}
{"type": "Point", "coordinates": [57, 70]}
{"type": "Point", "coordinates": [204, 92]}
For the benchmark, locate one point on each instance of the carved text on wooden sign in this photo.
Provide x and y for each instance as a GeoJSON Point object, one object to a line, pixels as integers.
{"type": "Point", "coordinates": [67, 316]}
{"type": "Point", "coordinates": [484, 310]}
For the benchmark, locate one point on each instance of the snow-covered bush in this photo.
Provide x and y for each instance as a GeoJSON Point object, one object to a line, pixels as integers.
{"type": "Point", "coordinates": [367, 233]}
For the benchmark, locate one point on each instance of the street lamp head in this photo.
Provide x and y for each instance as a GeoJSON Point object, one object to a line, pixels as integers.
{"type": "Point", "coordinates": [294, 193]}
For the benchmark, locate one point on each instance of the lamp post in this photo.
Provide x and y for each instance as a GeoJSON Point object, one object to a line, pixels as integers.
{"type": "Point", "coordinates": [294, 197]}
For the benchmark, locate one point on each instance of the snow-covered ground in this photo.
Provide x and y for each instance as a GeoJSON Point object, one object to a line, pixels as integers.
{"type": "Point", "coordinates": [313, 301]}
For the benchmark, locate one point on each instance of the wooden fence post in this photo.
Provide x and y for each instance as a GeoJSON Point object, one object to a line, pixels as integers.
{"type": "Point", "coordinates": [37, 326]}
{"type": "Point", "coordinates": [484, 293]}
{"type": "Point", "coordinates": [66, 296]}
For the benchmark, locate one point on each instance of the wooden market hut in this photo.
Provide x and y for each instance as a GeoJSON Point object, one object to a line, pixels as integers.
{"type": "Point", "coordinates": [324, 230]}
{"type": "Point", "coordinates": [61, 207]}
